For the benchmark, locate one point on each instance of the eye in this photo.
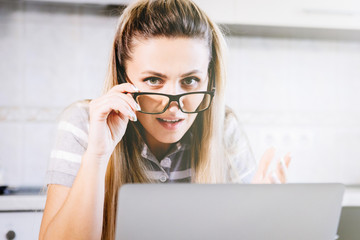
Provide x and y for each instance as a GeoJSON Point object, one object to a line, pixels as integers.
{"type": "Point", "coordinates": [190, 81]}
{"type": "Point", "coordinates": [153, 81]}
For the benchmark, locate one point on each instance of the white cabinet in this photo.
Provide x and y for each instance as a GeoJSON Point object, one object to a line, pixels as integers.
{"type": "Point", "coordinates": [219, 11]}
{"type": "Point", "coordinates": [21, 214]}
{"type": "Point", "coordinates": [343, 14]}
{"type": "Point", "coordinates": [102, 2]}
{"type": "Point", "coordinates": [325, 14]}
{"type": "Point", "coordinates": [25, 225]}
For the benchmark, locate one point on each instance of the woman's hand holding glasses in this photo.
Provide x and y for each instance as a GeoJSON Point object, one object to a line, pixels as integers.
{"type": "Point", "coordinates": [109, 116]}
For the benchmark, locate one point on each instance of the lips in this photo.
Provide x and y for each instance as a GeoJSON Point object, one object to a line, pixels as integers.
{"type": "Point", "coordinates": [170, 124]}
{"type": "Point", "coordinates": [170, 120]}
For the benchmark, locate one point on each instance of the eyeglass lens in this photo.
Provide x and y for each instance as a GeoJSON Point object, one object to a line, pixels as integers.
{"type": "Point", "coordinates": [152, 103]}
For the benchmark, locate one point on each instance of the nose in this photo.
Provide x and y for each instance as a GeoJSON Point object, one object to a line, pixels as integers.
{"type": "Point", "coordinates": [175, 90]}
{"type": "Point", "coordinates": [173, 107]}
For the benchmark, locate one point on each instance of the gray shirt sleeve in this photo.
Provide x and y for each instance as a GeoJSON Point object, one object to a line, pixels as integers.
{"type": "Point", "coordinates": [69, 145]}
{"type": "Point", "coordinates": [72, 139]}
{"type": "Point", "coordinates": [242, 164]}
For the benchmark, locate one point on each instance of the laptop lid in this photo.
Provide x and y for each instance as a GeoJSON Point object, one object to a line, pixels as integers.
{"type": "Point", "coordinates": [349, 226]}
{"type": "Point", "coordinates": [229, 211]}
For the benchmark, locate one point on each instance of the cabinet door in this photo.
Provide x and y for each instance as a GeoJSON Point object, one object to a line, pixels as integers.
{"type": "Point", "coordinates": [335, 14]}
{"type": "Point", "coordinates": [26, 225]}
{"type": "Point", "coordinates": [329, 14]}
{"type": "Point", "coordinates": [219, 11]}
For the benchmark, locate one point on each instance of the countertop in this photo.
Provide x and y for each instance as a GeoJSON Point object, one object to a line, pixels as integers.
{"type": "Point", "coordinates": [22, 202]}
{"type": "Point", "coordinates": [351, 196]}
{"type": "Point", "coordinates": [36, 202]}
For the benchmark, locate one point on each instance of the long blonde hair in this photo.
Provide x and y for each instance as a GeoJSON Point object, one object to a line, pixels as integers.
{"type": "Point", "coordinates": [166, 18]}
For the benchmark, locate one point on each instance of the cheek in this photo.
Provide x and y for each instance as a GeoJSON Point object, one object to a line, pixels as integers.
{"type": "Point", "coordinates": [144, 118]}
{"type": "Point", "coordinates": [191, 118]}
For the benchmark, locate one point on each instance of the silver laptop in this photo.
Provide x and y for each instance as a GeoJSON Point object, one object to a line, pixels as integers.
{"type": "Point", "coordinates": [349, 226]}
{"type": "Point", "coordinates": [229, 211]}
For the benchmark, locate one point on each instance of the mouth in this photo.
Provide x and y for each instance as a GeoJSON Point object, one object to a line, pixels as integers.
{"type": "Point", "coordinates": [170, 120]}
{"type": "Point", "coordinates": [170, 124]}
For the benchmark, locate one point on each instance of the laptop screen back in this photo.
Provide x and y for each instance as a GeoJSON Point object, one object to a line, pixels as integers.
{"type": "Point", "coordinates": [229, 211]}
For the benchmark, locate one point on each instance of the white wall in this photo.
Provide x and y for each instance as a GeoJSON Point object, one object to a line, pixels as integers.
{"type": "Point", "coordinates": [298, 95]}
{"type": "Point", "coordinates": [51, 55]}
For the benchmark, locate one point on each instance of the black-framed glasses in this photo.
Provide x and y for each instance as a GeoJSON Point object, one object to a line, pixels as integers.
{"type": "Point", "coordinates": [157, 103]}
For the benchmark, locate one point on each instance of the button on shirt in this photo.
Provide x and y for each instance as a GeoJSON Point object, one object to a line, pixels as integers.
{"type": "Point", "coordinates": [163, 178]}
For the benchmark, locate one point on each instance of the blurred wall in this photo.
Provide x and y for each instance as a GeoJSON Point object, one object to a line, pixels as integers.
{"type": "Point", "coordinates": [299, 95]}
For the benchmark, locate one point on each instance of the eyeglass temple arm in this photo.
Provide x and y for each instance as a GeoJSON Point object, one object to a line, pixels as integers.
{"type": "Point", "coordinates": [213, 84]}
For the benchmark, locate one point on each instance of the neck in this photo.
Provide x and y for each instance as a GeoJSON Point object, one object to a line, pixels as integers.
{"type": "Point", "coordinates": [159, 149]}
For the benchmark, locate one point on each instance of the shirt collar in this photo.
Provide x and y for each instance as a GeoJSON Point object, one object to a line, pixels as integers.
{"type": "Point", "coordinates": [182, 145]}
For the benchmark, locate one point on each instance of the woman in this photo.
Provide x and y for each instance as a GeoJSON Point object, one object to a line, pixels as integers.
{"type": "Point", "coordinates": [166, 75]}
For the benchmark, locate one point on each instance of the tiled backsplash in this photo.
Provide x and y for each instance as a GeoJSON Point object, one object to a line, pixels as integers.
{"type": "Point", "coordinates": [298, 95]}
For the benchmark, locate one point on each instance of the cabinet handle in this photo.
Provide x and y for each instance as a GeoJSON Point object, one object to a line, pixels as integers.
{"type": "Point", "coordinates": [10, 235]}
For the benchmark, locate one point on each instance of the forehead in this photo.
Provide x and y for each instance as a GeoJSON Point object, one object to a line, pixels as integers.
{"type": "Point", "coordinates": [169, 55]}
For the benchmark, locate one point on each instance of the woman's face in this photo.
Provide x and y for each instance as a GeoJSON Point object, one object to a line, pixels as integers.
{"type": "Point", "coordinates": [171, 66]}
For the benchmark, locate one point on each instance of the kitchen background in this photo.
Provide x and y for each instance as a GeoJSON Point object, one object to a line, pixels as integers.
{"type": "Point", "coordinates": [293, 78]}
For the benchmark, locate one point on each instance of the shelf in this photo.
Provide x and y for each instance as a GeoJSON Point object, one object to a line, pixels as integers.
{"type": "Point", "coordinates": [291, 32]}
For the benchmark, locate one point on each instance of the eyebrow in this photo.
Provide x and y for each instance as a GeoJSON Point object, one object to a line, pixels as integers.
{"type": "Point", "coordinates": [164, 76]}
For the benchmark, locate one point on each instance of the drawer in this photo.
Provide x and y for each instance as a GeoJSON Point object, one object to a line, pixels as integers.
{"type": "Point", "coordinates": [26, 225]}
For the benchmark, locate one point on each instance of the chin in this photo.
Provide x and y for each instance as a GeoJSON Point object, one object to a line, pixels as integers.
{"type": "Point", "coordinates": [169, 138]}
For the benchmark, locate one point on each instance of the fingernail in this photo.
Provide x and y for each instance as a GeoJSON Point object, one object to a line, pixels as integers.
{"type": "Point", "coordinates": [137, 107]}
{"type": "Point", "coordinates": [275, 178]}
{"type": "Point", "coordinates": [135, 88]}
{"type": "Point", "coordinates": [282, 162]}
{"type": "Point", "coordinates": [284, 168]}
{"type": "Point", "coordinates": [133, 116]}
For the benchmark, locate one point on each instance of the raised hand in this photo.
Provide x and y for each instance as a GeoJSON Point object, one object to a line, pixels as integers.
{"type": "Point", "coordinates": [109, 116]}
{"type": "Point", "coordinates": [276, 175]}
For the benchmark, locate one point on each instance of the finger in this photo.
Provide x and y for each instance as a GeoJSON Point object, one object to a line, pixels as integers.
{"type": "Point", "coordinates": [127, 98]}
{"type": "Point", "coordinates": [281, 171]}
{"type": "Point", "coordinates": [287, 159]}
{"type": "Point", "coordinates": [282, 168]}
{"type": "Point", "coordinates": [260, 175]}
{"type": "Point", "coordinates": [124, 88]}
{"type": "Point", "coordinates": [284, 163]}
{"type": "Point", "coordinates": [123, 111]}
{"type": "Point", "coordinates": [133, 102]}
{"type": "Point", "coordinates": [266, 180]}
{"type": "Point", "coordinates": [123, 107]}
{"type": "Point", "coordinates": [274, 177]}
{"type": "Point", "coordinates": [266, 160]}
{"type": "Point", "coordinates": [117, 104]}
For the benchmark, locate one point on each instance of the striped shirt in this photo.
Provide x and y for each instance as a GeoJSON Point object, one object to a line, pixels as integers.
{"type": "Point", "coordinates": [72, 137]}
